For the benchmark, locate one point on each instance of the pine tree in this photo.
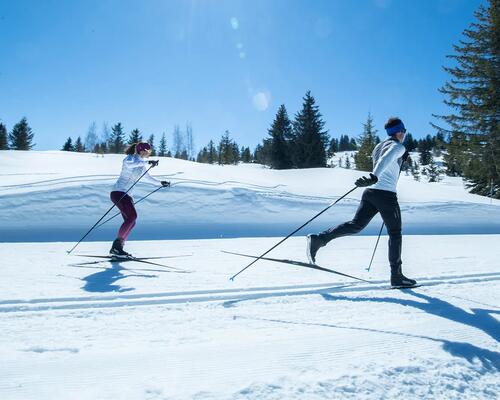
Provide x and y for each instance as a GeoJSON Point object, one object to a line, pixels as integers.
{"type": "Point", "coordinates": [135, 136]}
{"type": "Point", "coordinates": [281, 134]}
{"type": "Point", "coordinates": [79, 147]}
{"type": "Point", "coordinates": [245, 155]}
{"type": "Point", "coordinates": [3, 137]}
{"type": "Point", "coordinates": [347, 162]}
{"type": "Point", "coordinates": [363, 158]}
{"type": "Point", "coordinates": [424, 148]}
{"type": "Point", "coordinates": [68, 145]}
{"type": "Point", "coordinates": [212, 155]}
{"type": "Point", "coordinates": [202, 156]}
{"type": "Point", "coordinates": [310, 141]}
{"type": "Point", "coordinates": [432, 171]}
{"type": "Point", "coordinates": [473, 92]}
{"type": "Point", "coordinates": [262, 153]}
{"type": "Point", "coordinates": [117, 144]}
{"type": "Point", "coordinates": [228, 150]}
{"type": "Point", "coordinates": [162, 150]}
{"type": "Point", "coordinates": [333, 147]}
{"type": "Point", "coordinates": [455, 158]}
{"type": "Point", "coordinates": [415, 171]}
{"type": "Point", "coordinates": [347, 144]}
{"type": "Point", "coordinates": [410, 143]}
{"type": "Point", "coordinates": [21, 136]}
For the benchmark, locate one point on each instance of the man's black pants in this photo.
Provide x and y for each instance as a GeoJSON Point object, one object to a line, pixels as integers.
{"type": "Point", "coordinates": [374, 201]}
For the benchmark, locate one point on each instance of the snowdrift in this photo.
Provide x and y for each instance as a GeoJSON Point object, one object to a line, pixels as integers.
{"type": "Point", "coordinates": [57, 196]}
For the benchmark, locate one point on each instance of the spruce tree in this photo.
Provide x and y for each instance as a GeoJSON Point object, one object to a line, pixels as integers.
{"type": "Point", "coordinates": [212, 155]}
{"type": "Point", "coordinates": [228, 150]}
{"type": "Point", "coordinates": [3, 137]}
{"type": "Point", "coordinates": [245, 155]}
{"type": "Point", "coordinates": [202, 156]}
{"type": "Point", "coordinates": [68, 145]}
{"type": "Point", "coordinates": [310, 140]}
{"type": "Point", "coordinates": [432, 171]}
{"type": "Point", "coordinates": [162, 149]}
{"type": "Point", "coordinates": [135, 136]}
{"type": "Point", "coordinates": [344, 143]}
{"type": "Point", "coordinates": [21, 136]}
{"type": "Point", "coordinates": [262, 152]}
{"type": "Point", "coordinates": [363, 158]}
{"type": "Point", "coordinates": [473, 93]}
{"type": "Point", "coordinates": [281, 133]}
{"type": "Point", "coordinates": [410, 143]}
{"type": "Point", "coordinates": [424, 148]}
{"type": "Point", "coordinates": [347, 162]}
{"type": "Point", "coordinates": [117, 144]}
{"type": "Point", "coordinates": [79, 147]}
{"type": "Point", "coordinates": [333, 147]}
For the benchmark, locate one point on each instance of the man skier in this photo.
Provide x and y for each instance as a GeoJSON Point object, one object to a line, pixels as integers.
{"type": "Point", "coordinates": [380, 198]}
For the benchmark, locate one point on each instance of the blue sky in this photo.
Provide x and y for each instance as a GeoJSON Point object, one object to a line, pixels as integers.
{"type": "Point", "coordinates": [223, 65]}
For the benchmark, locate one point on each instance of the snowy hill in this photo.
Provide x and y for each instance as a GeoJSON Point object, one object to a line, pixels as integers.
{"type": "Point", "coordinates": [56, 196]}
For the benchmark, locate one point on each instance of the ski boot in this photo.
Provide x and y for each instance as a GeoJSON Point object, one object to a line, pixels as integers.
{"type": "Point", "coordinates": [314, 243]}
{"type": "Point", "coordinates": [398, 280]}
{"type": "Point", "coordinates": [117, 250]}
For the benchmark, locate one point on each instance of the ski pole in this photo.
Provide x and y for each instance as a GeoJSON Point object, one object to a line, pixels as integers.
{"type": "Point", "coordinates": [107, 212]}
{"type": "Point", "coordinates": [376, 244]}
{"type": "Point", "coordinates": [295, 231]}
{"type": "Point", "coordinates": [138, 201]}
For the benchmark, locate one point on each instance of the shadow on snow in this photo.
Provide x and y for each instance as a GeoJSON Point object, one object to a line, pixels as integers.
{"type": "Point", "coordinates": [480, 319]}
{"type": "Point", "coordinates": [105, 281]}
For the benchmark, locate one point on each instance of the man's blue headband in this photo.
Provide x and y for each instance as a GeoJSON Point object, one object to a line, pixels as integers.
{"type": "Point", "coordinates": [396, 129]}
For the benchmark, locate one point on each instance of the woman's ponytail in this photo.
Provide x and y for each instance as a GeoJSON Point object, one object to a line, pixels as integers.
{"type": "Point", "coordinates": [130, 150]}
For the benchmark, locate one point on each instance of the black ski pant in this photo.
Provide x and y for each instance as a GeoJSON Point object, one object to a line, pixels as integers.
{"type": "Point", "coordinates": [374, 201]}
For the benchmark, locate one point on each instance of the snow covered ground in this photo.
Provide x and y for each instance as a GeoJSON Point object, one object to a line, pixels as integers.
{"type": "Point", "coordinates": [138, 331]}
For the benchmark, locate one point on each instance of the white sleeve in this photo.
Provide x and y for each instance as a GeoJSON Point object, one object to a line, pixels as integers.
{"type": "Point", "coordinates": [149, 179]}
{"type": "Point", "coordinates": [389, 157]}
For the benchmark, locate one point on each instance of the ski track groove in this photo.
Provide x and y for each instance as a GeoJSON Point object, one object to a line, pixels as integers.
{"type": "Point", "coordinates": [228, 296]}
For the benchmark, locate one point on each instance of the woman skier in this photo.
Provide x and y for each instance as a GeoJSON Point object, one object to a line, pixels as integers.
{"type": "Point", "coordinates": [134, 165]}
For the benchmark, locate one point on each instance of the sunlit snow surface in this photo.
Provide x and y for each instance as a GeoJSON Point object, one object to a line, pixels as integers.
{"type": "Point", "coordinates": [136, 331]}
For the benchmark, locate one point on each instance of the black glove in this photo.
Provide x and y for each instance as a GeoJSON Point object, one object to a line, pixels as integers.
{"type": "Point", "coordinates": [365, 181]}
{"type": "Point", "coordinates": [154, 163]}
{"type": "Point", "coordinates": [405, 156]}
{"type": "Point", "coordinates": [165, 183]}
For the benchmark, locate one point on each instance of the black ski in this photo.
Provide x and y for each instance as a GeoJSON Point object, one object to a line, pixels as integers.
{"type": "Point", "coordinates": [405, 287]}
{"type": "Point", "coordinates": [143, 260]}
{"type": "Point", "coordinates": [131, 258]}
{"type": "Point", "coordinates": [298, 263]}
